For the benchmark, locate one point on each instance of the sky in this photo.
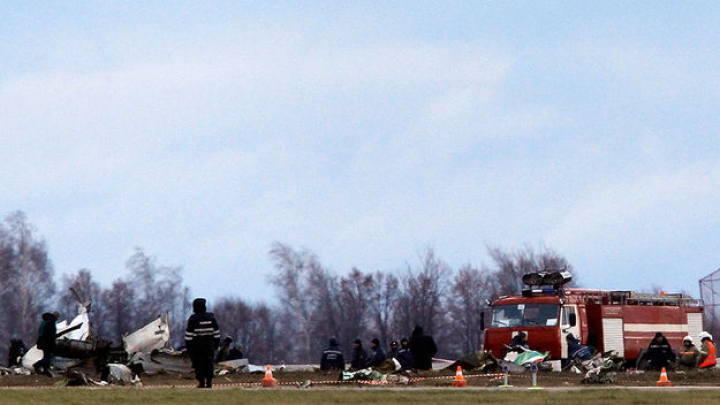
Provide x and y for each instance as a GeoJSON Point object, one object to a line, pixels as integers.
{"type": "Point", "coordinates": [364, 132]}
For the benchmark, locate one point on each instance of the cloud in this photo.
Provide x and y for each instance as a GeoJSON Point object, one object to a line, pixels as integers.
{"type": "Point", "coordinates": [202, 140]}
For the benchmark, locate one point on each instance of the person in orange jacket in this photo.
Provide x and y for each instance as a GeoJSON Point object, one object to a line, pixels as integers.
{"type": "Point", "coordinates": [708, 356]}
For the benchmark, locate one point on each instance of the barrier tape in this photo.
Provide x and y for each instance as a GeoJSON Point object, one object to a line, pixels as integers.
{"type": "Point", "coordinates": [362, 382]}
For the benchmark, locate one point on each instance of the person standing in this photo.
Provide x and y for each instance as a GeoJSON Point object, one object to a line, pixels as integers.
{"type": "Point", "coordinates": [423, 348]}
{"type": "Point", "coordinates": [46, 343]}
{"type": "Point", "coordinates": [332, 357]}
{"type": "Point", "coordinates": [202, 338]}
{"type": "Point", "coordinates": [707, 356]}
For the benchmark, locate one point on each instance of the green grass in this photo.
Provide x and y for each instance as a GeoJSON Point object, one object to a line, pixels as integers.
{"type": "Point", "coordinates": [351, 396]}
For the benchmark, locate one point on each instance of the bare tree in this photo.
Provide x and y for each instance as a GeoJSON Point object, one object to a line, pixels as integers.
{"type": "Point", "coordinates": [424, 291]}
{"type": "Point", "coordinates": [314, 304]}
{"type": "Point", "coordinates": [266, 342]}
{"type": "Point", "coordinates": [355, 291]}
{"type": "Point", "coordinates": [234, 317]}
{"type": "Point", "coordinates": [118, 310]}
{"type": "Point", "coordinates": [254, 328]}
{"type": "Point", "coordinates": [471, 287]}
{"type": "Point", "coordinates": [80, 289]}
{"type": "Point", "coordinates": [325, 293]}
{"type": "Point", "coordinates": [383, 296]}
{"type": "Point", "coordinates": [294, 290]}
{"type": "Point", "coordinates": [510, 267]}
{"type": "Point", "coordinates": [26, 278]}
{"type": "Point", "coordinates": [158, 290]}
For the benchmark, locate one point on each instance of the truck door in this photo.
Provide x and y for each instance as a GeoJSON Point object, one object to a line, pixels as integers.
{"type": "Point", "coordinates": [568, 324]}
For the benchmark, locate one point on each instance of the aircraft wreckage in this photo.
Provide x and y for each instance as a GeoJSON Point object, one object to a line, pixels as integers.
{"type": "Point", "coordinates": [144, 351]}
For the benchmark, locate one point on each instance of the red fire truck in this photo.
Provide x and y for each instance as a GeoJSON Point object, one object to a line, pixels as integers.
{"type": "Point", "coordinates": [622, 321]}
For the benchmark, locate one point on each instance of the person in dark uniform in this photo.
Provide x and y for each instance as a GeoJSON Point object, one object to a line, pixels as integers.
{"type": "Point", "coordinates": [16, 352]}
{"type": "Point", "coordinates": [394, 348]}
{"type": "Point", "coordinates": [403, 355]}
{"type": "Point", "coordinates": [519, 342]}
{"type": "Point", "coordinates": [332, 357]}
{"type": "Point", "coordinates": [359, 356]}
{"type": "Point", "coordinates": [659, 353]}
{"type": "Point", "coordinates": [202, 338]}
{"type": "Point", "coordinates": [46, 343]}
{"type": "Point", "coordinates": [423, 348]}
{"type": "Point", "coordinates": [377, 354]}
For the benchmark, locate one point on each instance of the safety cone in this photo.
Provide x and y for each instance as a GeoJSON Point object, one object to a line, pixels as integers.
{"type": "Point", "coordinates": [459, 380]}
{"type": "Point", "coordinates": [268, 380]}
{"type": "Point", "coordinates": [663, 381]}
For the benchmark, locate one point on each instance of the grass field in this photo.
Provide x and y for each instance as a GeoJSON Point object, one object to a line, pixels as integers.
{"type": "Point", "coordinates": [351, 396]}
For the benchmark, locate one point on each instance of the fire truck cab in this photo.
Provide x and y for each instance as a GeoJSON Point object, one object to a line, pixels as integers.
{"type": "Point", "coordinates": [621, 321]}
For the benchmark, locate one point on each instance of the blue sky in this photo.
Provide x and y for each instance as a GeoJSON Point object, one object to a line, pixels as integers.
{"type": "Point", "coordinates": [365, 132]}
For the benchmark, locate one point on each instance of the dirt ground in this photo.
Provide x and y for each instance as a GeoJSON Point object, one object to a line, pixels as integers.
{"type": "Point", "coordinates": [425, 379]}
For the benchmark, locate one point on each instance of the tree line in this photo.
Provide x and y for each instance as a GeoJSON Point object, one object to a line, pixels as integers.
{"type": "Point", "coordinates": [312, 302]}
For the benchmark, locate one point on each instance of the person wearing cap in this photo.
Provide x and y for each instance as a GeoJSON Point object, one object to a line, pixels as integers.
{"type": "Point", "coordinates": [377, 354]}
{"type": "Point", "coordinates": [687, 354]}
{"type": "Point", "coordinates": [659, 353]}
{"type": "Point", "coordinates": [202, 338]}
{"type": "Point", "coordinates": [707, 356]}
{"type": "Point", "coordinates": [359, 356]}
{"type": "Point", "coordinates": [403, 355]}
{"type": "Point", "coordinates": [46, 343]}
{"type": "Point", "coordinates": [394, 347]}
{"type": "Point", "coordinates": [332, 357]}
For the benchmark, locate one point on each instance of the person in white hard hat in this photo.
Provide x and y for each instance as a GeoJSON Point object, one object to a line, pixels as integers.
{"type": "Point", "coordinates": [688, 354]}
{"type": "Point", "coordinates": [707, 351]}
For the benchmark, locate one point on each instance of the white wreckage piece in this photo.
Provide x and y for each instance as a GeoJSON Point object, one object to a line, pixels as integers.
{"type": "Point", "coordinates": [76, 333]}
{"type": "Point", "coordinates": [153, 336]}
{"type": "Point", "coordinates": [148, 347]}
{"type": "Point", "coordinates": [75, 341]}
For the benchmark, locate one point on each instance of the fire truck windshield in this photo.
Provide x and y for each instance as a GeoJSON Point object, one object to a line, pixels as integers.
{"type": "Point", "coordinates": [525, 315]}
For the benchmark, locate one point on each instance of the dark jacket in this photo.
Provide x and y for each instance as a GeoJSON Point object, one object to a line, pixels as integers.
{"type": "Point", "coordinates": [423, 349]}
{"type": "Point", "coordinates": [405, 358]}
{"type": "Point", "coordinates": [202, 335]}
{"type": "Point", "coordinates": [332, 357]}
{"type": "Point", "coordinates": [519, 342]}
{"type": "Point", "coordinates": [47, 332]}
{"type": "Point", "coordinates": [359, 357]}
{"type": "Point", "coordinates": [577, 350]}
{"type": "Point", "coordinates": [659, 352]}
{"type": "Point", "coordinates": [227, 351]}
{"type": "Point", "coordinates": [377, 356]}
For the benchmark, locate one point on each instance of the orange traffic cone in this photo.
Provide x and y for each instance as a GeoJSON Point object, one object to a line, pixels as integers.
{"type": "Point", "coordinates": [663, 381]}
{"type": "Point", "coordinates": [268, 380]}
{"type": "Point", "coordinates": [459, 380]}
